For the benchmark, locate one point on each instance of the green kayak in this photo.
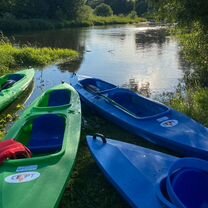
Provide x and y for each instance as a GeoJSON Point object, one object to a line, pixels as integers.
{"type": "Point", "coordinates": [50, 129]}
{"type": "Point", "coordinates": [13, 84]}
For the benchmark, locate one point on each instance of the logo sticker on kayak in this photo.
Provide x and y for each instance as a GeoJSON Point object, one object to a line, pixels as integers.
{"type": "Point", "coordinates": [22, 177]}
{"type": "Point", "coordinates": [27, 168]}
{"type": "Point", "coordinates": [169, 123]}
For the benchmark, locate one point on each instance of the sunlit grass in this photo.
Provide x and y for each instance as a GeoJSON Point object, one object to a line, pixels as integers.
{"type": "Point", "coordinates": [14, 57]}
{"type": "Point", "coordinates": [194, 104]}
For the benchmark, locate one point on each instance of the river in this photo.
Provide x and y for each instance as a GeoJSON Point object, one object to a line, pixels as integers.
{"type": "Point", "coordinates": [117, 54]}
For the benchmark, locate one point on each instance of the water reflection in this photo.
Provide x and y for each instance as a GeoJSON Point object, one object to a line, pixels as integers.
{"type": "Point", "coordinates": [72, 66]}
{"type": "Point", "coordinates": [70, 38]}
{"type": "Point", "coordinates": [148, 38]}
{"type": "Point", "coordinates": [115, 54]}
{"type": "Point", "coordinates": [11, 112]}
{"type": "Point", "coordinates": [141, 88]}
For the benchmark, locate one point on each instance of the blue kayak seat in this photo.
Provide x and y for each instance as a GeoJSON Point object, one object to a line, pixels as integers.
{"type": "Point", "coordinates": [47, 134]}
{"type": "Point", "coordinates": [15, 77]}
{"type": "Point", "coordinates": [191, 187]}
{"type": "Point", "coordinates": [59, 97]}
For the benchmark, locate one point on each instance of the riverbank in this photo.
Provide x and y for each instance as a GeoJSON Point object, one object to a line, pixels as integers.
{"type": "Point", "coordinates": [13, 56]}
{"type": "Point", "coordinates": [10, 25]}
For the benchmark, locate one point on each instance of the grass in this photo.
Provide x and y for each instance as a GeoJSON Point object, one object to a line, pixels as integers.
{"type": "Point", "coordinates": [116, 20]}
{"type": "Point", "coordinates": [15, 57]}
{"type": "Point", "coordinates": [193, 104]}
{"type": "Point", "coordinates": [9, 25]}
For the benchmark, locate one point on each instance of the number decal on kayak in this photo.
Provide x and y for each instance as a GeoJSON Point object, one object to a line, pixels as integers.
{"type": "Point", "coordinates": [22, 177]}
{"type": "Point", "coordinates": [169, 123]}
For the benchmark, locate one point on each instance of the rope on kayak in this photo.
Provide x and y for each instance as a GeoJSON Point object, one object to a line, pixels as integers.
{"type": "Point", "coordinates": [101, 136]}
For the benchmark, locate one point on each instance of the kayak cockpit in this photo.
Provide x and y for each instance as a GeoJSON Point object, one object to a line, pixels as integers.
{"type": "Point", "coordinates": [96, 85]}
{"type": "Point", "coordinates": [9, 80]}
{"type": "Point", "coordinates": [55, 98]}
{"type": "Point", "coordinates": [43, 134]}
{"type": "Point", "coordinates": [135, 104]}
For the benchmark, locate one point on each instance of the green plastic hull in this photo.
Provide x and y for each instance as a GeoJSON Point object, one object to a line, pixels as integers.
{"type": "Point", "coordinates": [7, 96]}
{"type": "Point", "coordinates": [48, 173]}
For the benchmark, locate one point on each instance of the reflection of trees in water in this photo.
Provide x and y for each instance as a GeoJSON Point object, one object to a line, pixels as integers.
{"type": "Point", "coordinates": [70, 38]}
{"type": "Point", "coordinates": [148, 38]}
{"type": "Point", "coordinates": [71, 66]}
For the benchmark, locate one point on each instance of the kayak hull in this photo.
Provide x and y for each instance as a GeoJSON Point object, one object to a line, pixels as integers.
{"type": "Point", "coordinates": [8, 95]}
{"type": "Point", "coordinates": [42, 178]}
{"type": "Point", "coordinates": [139, 174]}
{"type": "Point", "coordinates": [169, 129]}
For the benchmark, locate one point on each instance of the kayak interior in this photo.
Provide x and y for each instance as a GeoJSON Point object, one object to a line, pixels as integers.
{"type": "Point", "coordinates": [136, 105]}
{"type": "Point", "coordinates": [43, 134]}
{"type": "Point", "coordinates": [55, 98]}
{"type": "Point", "coordinates": [9, 80]}
{"type": "Point", "coordinates": [96, 85]}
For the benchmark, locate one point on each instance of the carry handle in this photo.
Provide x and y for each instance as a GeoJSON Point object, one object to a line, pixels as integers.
{"type": "Point", "coordinates": [101, 136]}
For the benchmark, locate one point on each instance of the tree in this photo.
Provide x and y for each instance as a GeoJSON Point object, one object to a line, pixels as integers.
{"type": "Point", "coordinates": [85, 13]}
{"type": "Point", "coordinates": [121, 6]}
{"type": "Point", "coordinates": [94, 3]}
{"type": "Point", "coordinates": [103, 10]}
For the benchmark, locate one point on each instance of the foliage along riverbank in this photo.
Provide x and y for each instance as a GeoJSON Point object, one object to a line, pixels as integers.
{"type": "Point", "coordinates": [9, 25]}
{"type": "Point", "coordinates": [15, 57]}
{"type": "Point", "coordinates": [191, 17]}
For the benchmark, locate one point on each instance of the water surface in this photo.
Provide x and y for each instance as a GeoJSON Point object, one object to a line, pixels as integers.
{"type": "Point", "coordinates": [113, 53]}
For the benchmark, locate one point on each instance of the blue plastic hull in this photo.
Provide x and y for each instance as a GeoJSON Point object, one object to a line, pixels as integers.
{"type": "Point", "coordinates": [140, 174]}
{"type": "Point", "coordinates": [133, 171]}
{"type": "Point", "coordinates": [169, 128]}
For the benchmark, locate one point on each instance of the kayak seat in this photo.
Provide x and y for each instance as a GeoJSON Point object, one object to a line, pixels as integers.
{"type": "Point", "coordinates": [125, 100]}
{"type": "Point", "coordinates": [59, 97]}
{"type": "Point", "coordinates": [135, 104]}
{"type": "Point", "coordinates": [15, 77]}
{"type": "Point", "coordinates": [47, 134]}
{"type": "Point", "coordinates": [191, 187]}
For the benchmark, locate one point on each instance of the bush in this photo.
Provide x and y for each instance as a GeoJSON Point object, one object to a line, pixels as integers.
{"type": "Point", "coordinates": [85, 13]}
{"type": "Point", "coordinates": [103, 10]}
{"type": "Point", "coordinates": [132, 15]}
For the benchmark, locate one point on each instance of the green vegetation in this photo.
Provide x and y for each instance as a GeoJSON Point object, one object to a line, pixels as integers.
{"type": "Point", "coordinates": [14, 57]}
{"type": "Point", "coordinates": [117, 20]}
{"type": "Point", "coordinates": [193, 104]}
{"type": "Point", "coordinates": [103, 10]}
{"type": "Point", "coordinates": [191, 17]}
{"type": "Point", "coordinates": [85, 18]}
{"type": "Point", "coordinates": [19, 15]}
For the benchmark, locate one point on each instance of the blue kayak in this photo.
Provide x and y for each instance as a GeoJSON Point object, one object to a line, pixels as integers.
{"type": "Point", "coordinates": [147, 178]}
{"type": "Point", "coordinates": [144, 117]}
